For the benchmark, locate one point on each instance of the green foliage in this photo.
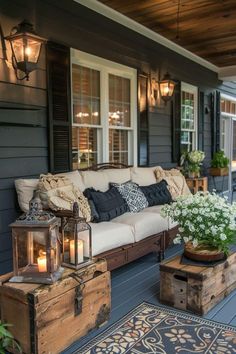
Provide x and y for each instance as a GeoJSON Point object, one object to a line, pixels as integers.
{"type": "Point", "coordinates": [7, 340]}
{"type": "Point", "coordinates": [204, 219]}
{"type": "Point", "coordinates": [219, 160]}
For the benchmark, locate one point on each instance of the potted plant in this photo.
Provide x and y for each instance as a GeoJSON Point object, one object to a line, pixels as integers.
{"type": "Point", "coordinates": [219, 164]}
{"type": "Point", "coordinates": [7, 340]}
{"type": "Point", "coordinates": [191, 162]}
{"type": "Point", "coordinates": [206, 225]}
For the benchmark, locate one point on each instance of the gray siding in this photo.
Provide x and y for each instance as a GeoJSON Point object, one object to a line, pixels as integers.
{"type": "Point", "coordinates": [23, 138]}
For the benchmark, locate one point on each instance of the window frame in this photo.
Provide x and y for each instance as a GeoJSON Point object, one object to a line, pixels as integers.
{"type": "Point", "coordinates": [106, 67]}
{"type": "Point", "coordinates": [192, 90]}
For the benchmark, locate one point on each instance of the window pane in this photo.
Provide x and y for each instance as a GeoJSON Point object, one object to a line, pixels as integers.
{"type": "Point", "coordinates": [86, 95]}
{"type": "Point", "coordinates": [118, 146]}
{"type": "Point", "coordinates": [186, 141]}
{"type": "Point", "coordinates": [119, 101]}
{"type": "Point", "coordinates": [84, 147]}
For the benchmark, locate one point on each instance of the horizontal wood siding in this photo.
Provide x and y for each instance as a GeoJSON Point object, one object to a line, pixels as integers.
{"type": "Point", "coordinates": [23, 134]}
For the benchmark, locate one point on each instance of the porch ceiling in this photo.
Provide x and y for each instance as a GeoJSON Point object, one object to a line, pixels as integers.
{"type": "Point", "coordinates": [207, 28]}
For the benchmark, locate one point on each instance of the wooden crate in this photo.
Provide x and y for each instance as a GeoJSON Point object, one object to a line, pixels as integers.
{"type": "Point", "coordinates": [197, 184]}
{"type": "Point", "coordinates": [48, 318]}
{"type": "Point", "coordinates": [196, 289]}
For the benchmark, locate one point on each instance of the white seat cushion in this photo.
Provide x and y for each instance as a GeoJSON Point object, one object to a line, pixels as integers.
{"type": "Point", "coordinates": [107, 236]}
{"type": "Point", "coordinates": [157, 209]}
{"type": "Point", "coordinates": [143, 224]}
{"type": "Point", "coordinates": [153, 209]}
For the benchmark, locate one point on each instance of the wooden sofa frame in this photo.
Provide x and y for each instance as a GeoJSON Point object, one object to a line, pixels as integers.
{"type": "Point", "coordinates": [122, 255]}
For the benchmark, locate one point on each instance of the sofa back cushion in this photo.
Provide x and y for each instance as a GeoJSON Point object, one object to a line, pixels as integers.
{"type": "Point", "coordinates": [108, 205]}
{"type": "Point", "coordinates": [99, 180]}
{"type": "Point", "coordinates": [157, 193]}
{"type": "Point", "coordinates": [143, 176]}
{"type": "Point", "coordinates": [133, 196]}
{"type": "Point", "coordinates": [25, 190]}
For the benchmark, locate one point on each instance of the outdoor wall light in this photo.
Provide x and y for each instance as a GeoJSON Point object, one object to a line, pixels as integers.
{"type": "Point", "coordinates": [26, 47]}
{"type": "Point", "coordinates": [167, 86]}
{"type": "Point", "coordinates": [163, 88]}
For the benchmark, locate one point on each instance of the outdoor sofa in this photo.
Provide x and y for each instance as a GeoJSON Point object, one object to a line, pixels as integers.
{"type": "Point", "coordinates": [128, 236]}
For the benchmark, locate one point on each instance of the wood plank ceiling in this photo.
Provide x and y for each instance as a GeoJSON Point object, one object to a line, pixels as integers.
{"type": "Point", "coordinates": [206, 27]}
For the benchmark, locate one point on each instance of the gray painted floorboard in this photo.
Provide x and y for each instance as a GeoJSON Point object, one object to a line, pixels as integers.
{"type": "Point", "coordinates": [140, 281]}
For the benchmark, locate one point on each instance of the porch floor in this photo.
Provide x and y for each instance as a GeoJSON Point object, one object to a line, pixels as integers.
{"type": "Point", "coordinates": [139, 281]}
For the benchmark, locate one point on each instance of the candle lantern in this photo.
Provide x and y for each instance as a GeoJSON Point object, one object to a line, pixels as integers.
{"type": "Point", "coordinates": [36, 246]}
{"type": "Point", "coordinates": [77, 241]}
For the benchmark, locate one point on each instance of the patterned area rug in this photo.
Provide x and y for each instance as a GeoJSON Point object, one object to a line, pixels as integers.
{"type": "Point", "coordinates": [154, 329]}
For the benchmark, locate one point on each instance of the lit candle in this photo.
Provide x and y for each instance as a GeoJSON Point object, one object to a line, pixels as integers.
{"type": "Point", "coordinates": [80, 251]}
{"type": "Point", "coordinates": [42, 262]}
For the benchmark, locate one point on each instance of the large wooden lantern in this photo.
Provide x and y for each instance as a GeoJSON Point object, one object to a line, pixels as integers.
{"type": "Point", "coordinates": [36, 246]}
{"type": "Point", "coordinates": [77, 241]}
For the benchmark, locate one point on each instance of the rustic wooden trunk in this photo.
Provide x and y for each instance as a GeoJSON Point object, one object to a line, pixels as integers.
{"type": "Point", "coordinates": [193, 288]}
{"type": "Point", "coordinates": [48, 318]}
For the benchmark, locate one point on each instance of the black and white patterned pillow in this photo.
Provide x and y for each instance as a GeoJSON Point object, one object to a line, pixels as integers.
{"type": "Point", "coordinates": [133, 196]}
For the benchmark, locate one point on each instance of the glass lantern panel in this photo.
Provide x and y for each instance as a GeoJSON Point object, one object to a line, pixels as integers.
{"type": "Point", "coordinates": [31, 251]}
{"type": "Point", "coordinates": [55, 250]}
{"type": "Point", "coordinates": [18, 45]}
{"type": "Point", "coordinates": [32, 49]}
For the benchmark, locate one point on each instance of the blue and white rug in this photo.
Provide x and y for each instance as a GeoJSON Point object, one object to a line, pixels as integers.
{"type": "Point", "coordinates": [154, 329]}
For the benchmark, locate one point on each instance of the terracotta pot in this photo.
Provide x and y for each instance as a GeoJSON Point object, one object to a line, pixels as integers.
{"type": "Point", "coordinates": [203, 253]}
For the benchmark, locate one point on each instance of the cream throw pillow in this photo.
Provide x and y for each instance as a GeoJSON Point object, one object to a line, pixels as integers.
{"type": "Point", "coordinates": [176, 182]}
{"type": "Point", "coordinates": [59, 193]}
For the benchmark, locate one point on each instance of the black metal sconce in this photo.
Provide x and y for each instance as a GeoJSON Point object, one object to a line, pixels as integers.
{"type": "Point", "coordinates": [26, 47]}
{"type": "Point", "coordinates": [163, 88]}
{"type": "Point", "coordinates": [167, 86]}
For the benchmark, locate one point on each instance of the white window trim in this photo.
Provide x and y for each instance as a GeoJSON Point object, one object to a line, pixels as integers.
{"type": "Point", "coordinates": [194, 90]}
{"type": "Point", "coordinates": [107, 67]}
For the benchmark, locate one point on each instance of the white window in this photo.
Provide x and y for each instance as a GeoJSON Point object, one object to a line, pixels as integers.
{"type": "Point", "coordinates": [228, 128]}
{"type": "Point", "coordinates": [189, 113]}
{"type": "Point", "coordinates": [104, 106]}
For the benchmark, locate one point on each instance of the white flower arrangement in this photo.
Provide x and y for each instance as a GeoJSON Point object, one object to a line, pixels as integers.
{"type": "Point", "coordinates": [203, 218]}
{"type": "Point", "coordinates": [192, 161]}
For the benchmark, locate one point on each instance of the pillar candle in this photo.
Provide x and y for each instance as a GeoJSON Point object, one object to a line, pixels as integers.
{"type": "Point", "coordinates": [80, 251]}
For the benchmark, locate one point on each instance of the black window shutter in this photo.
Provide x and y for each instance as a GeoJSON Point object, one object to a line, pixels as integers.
{"type": "Point", "coordinates": [215, 121]}
{"type": "Point", "coordinates": [201, 121]}
{"type": "Point", "coordinates": [143, 122]}
{"type": "Point", "coordinates": [176, 123]}
{"type": "Point", "coordinates": [59, 111]}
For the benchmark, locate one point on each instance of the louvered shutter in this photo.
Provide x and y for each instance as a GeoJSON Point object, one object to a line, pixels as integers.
{"type": "Point", "coordinates": [143, 123]}
{"type": "Point", "coordinates": [215, 121]}
{"type": "Point", "coordinates": [176, 123]}
{"type": "Point", "coordinates": [59, 103]}
{"type": "Point", "coordinates": [201, 121]}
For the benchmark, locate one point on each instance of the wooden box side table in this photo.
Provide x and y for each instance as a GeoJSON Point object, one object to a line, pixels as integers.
{"type": "Point", "coordinates": [193, 288]}
{"type": "Point", "coordinates": [197, 184]}
{"type": "Point", "coordinates": [48, 318]}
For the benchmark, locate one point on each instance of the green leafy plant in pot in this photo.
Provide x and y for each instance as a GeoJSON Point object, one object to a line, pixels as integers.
{"type": "Point", "coordinates": [7, 340]}
{"type": "Point", "coordinates": [219, 164]}
{"type": "Point", "coordinates": [206, 225]}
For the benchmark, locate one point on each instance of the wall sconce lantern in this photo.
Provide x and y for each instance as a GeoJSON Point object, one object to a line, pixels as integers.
{"type": "Point", "coordinates": [36, 246]}
{"type": "Point", "coordinates": [26, 47]}
{"type": "Point", "coordinates": [167, 86]}
{"type": "Point", "coordinates": [77, 241]}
